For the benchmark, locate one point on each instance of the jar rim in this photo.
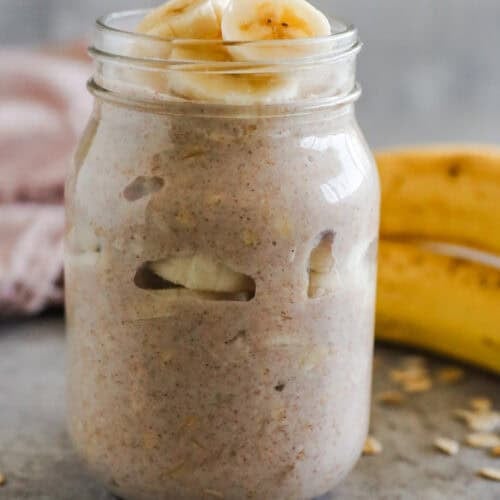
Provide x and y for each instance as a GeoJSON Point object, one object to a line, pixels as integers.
{"type": "Point", "coordinates": [308, 70]}
{"type": "Point", "coordinates": [204, 109]}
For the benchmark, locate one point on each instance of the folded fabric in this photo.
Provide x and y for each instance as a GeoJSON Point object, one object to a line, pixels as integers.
{"type": "Point", "coordinates": [43, 109]}
{"type": "Point", "coordinates": [31, 254]}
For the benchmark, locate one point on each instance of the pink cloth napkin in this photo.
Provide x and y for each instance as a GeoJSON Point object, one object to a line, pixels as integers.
{"type": "Point", "coordinates": [44, 107]}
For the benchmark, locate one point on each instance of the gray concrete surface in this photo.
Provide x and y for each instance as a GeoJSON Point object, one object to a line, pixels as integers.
{"type": "Point", "coordinates": [37, 459]}
{"type": "Point", "coordinates": [430, 69]}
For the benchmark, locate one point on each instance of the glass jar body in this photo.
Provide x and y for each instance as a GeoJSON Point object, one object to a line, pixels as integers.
{"type": "Point", "coordinates": [185, 392]}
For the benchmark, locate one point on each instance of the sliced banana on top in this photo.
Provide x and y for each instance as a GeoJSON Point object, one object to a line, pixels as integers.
{"type": "Point", "coordinates": [201, 273]}
{"type": "Point", "coordinates": [197, 19]}
{"type": "Point", "coordinates": [261, 20]}
{"type": "Point", "coordinates": [182, 19]}
{"type": "Point", "coordinates": [162, 30]}
{"type": "Point", "coordinates": [232, 89]}
{"type": "Point", "coordinates": [228, 20]}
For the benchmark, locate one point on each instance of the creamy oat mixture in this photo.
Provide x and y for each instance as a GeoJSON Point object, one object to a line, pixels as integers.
{"type": "Point", "coordinates": [220, 277]}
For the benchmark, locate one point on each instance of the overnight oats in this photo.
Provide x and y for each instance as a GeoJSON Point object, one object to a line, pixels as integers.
{"type": "Point", "coordinates": [222, 223]}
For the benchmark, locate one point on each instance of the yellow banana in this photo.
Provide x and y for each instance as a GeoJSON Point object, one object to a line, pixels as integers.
{"type": "Point", "coordinates": [442, 194]}
{"type": "Point", "coordinates": [439, 303]}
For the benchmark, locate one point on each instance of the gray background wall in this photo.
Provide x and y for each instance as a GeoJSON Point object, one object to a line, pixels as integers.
{"type": "Point", "coordinates": [430, 68]}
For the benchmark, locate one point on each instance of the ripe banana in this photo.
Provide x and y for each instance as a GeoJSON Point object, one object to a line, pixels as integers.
{"type": "Point", "coordinates": [440, 303]}
{"type": "Point", "coordinates": [448, 195]}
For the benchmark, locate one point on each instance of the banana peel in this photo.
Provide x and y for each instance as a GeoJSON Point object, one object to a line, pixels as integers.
{"type": "Point", "coordinates": [444, 304]}
{"type": "Point", "coordinates": [428, 300]}
{"type": "Point", "coordinates": [450, 195]}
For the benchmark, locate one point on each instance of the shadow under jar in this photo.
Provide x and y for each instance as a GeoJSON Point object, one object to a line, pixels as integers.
{"type": "Point", "coordinates": [220, 270]}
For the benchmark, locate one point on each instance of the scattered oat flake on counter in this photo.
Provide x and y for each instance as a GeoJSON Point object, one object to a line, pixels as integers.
{"type": "Point", "coordinates": [490, 473]}
{"type": "Point", "coordinates": [372, 446]}
{"type": "Point", "coordinates": [481, 404]}
{"type": "Point", "coordinates": [408, 374]}
{"type": "Point", "coordinates": [482, 440]}
{"type": "Point", "coordinates": [214, 493]}
{"type": "Point", "coordinates": [446, 446]}
{"type": "Point", "coordinates": [420, 385]}
{"type": "Point", "coordinates": [487, 421]}
{"type": "Point", "coordinates": [391, 398]}
{"type": "Point", "coordinates": [450, 375]}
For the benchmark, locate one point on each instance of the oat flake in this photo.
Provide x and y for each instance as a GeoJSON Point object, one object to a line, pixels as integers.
{"type": "Point", "coordinates": [481, 404]}
{"type": "Point", "coordinates": [446, 445]}
{"type": "Point", "coordinates": [490, 473]}
{"type": "Point", "coordinates": [450, 375]}
{"type": "Point", "coordinates": [487, 421]}
{"type": "Point", "coordinates": [423, 384]}
{"type": "Point", "coordinates": [392, 398]}
{"type": "Point", "coordinates": [372, 446]}
{"type": "Point", "coordinates": [483, 440]}
{"type": "Point", "coordinates": [214, 493]}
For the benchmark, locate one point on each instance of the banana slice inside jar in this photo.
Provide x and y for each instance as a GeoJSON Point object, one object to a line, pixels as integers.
{"type": "Point", "coordinates": [201, 273]}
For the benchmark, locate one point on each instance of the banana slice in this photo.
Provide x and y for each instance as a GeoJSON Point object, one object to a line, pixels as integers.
{"type": "Point", "coordinates": [182, 19]}
{"type": "Point", "coordinates": [153, 49]}
{"type": "Point", "coordinates": [162, 30]}
{"type": "Point", "coordinates": [232, 89]}
{"type": "Point", "coordinates": [200, 273]}
{"type": "Point", "coordinates": [244, 88]}
{"type": "Point", "coordinates": [321, 267]}
{"type": "Point", "coordinates": [322, 256]}
{"type": "Point", "coordinates": [197, 19]}
{"type": "Point", "coordinates": [357, 271]}
{"type": "Point", "coordinates": [261, 20]}
{"type": "Point", "coordinates": [206, 19]}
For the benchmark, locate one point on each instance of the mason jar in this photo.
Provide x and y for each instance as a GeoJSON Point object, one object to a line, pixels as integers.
{"type": "Point", "coordinates": [221, 243]}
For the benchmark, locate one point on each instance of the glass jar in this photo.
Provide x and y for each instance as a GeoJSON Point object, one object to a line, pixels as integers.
{"type": "Point", "coordinates": [220, 271]}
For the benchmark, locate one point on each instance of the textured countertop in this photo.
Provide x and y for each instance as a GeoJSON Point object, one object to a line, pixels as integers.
{"type": "Point", "coordinates": [38, 462]}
